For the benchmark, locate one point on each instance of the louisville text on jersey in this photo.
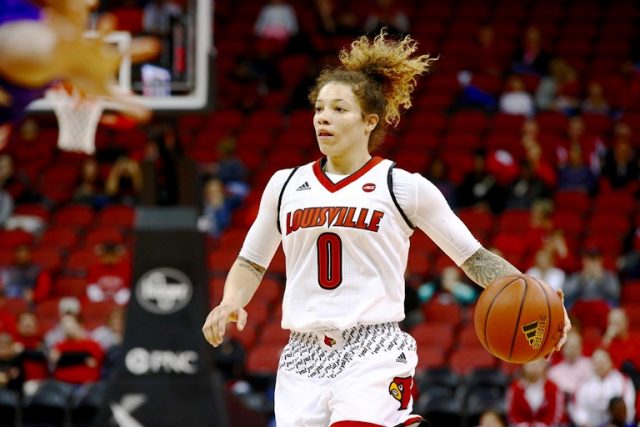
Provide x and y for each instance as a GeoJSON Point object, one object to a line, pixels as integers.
{"type": "Point", "coordinates": [337, 216]}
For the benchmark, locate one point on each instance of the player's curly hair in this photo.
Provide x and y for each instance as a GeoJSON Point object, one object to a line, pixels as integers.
{"type": "Point", "coordinates": [382, 74]}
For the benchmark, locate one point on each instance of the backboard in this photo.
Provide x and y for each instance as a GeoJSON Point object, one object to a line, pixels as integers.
{"type": "Point", "coordinates": [179, 79]}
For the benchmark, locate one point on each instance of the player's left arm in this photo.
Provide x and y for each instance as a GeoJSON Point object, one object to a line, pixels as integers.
{"type": "Point", "coordinates": [483, 267]}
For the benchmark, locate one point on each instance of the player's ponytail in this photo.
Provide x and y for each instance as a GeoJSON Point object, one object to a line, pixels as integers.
{"type": "Point", "coordinates": [382, 73]}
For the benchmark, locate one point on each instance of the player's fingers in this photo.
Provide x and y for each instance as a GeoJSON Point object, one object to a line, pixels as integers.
{"type": "Point", "coordinates": [242, 319]}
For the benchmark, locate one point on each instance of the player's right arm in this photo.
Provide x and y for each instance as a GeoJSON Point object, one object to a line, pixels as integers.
{"type": "Point", "coordinates": [247, 271]}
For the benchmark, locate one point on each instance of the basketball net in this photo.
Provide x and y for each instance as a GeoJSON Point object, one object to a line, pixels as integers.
{"type": "Point", "coordinates": [77, 116]}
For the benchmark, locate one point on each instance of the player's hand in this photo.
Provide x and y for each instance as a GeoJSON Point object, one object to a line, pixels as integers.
{"type": "Point", "coordinates": [567, 323]}
{"type": "Point", "coordinates": [215, 325]}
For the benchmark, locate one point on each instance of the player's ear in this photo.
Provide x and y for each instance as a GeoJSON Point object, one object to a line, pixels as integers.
{"type": "Point", "coordinates": [371, 121]}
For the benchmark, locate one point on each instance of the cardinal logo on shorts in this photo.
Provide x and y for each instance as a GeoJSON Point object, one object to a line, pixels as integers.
{"type": "Point", "coordinates": [534, 332]}
{"type": "Point", "coordinates": [400, 389]}
{"type": "Point", "coordinates": [329, 341]}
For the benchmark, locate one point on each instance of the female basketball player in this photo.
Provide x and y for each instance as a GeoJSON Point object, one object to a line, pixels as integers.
{"type": "Point", "coordinates": [345, 222]}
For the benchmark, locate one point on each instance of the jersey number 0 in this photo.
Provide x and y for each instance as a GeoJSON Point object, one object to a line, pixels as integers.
{"type": "Point", "coordinates": [329, 248]}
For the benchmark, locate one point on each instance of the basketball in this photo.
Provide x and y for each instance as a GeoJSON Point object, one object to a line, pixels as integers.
{"type": "Point", "coordinates": [519, 319]}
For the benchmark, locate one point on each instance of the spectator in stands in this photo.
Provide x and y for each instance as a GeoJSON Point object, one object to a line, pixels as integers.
{"type": "Point", "coordinates": [24, 278]}
{"type": "Point", "coordinates": [29, 336]}
{"type": "Point", "coordinates": [386, 14]}
{"type": "Point", "coordinates": [618, 416]}
{"type": "Point", "coordinates": [229, 167]}
{"type": "Point", "coordinates": [110, 337]}
{"type": "Point", "coordinates": [592, 146]}
{"type": "Point", "coordinates": [66, 306]}
{"type": "Point", "coordinates": [11, 372]}
{"type": "Point", "coordinates": [438, 175]}
{"type": "Point", "coordinates": [622, 344]}
{"type": "Point", "coordinates": [162, 158]}
{"type": "Point", "coordinates": [480, 188]}
{"type": "Point", "coordinates": [595, 101]}
{"type": "Point", "coordinates": [124, 183]}
{"type": "Point", "coordinates": [536, 178]}
{"type": "Point", "coordinates": [334, 21]}
{"type": "Point", "coordinates": [576, 174]}
{"type": "Point", "coordinates": [532, 56]}
{"type": "Point", "coordinates": [277, 20]}
{"type": "Point", "coordinates": [552, 92]}
{"type": "Point", "coordinates": [593, 396]}
{"type": "Point", "coordinates": [10, 181]}
{"type": "Point", "coordinates": [76, 359]}
{"type": "Point", "coordinates": [450, 288]}
{"type": "Point", "coordinates": [629, 263]}
{"type": "Point", "coordinates": [545, 270]}
{"type": "Point", "coordinates": [90, 188]}
{"type": "Point", "coordinates": [593, 282]}
{"type": "Point", "coordinates": [110, 278]}
{"type": "Point", "coordinates": [574, 369]}
{"type": "Point", "coordinates": [217, 209]}
{"type": "Point", "coordinates": [492, 418]}
{"type": "Point", "coordinates": [533, 399]}
{"type": "Point", "coordinates": [568, 89]}
{"type": "Point", "coordinates": [515, 99]}
{"type": "Point", "coordinates": [621, 170]}
{"type": "Point", "coordinates": [6, 207]}
{"type": "Point", "coordinates": [487, 58]}
{"type": "Point", "coordinates": [157, 15]}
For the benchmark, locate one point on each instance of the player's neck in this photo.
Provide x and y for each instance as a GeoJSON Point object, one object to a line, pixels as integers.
{"type": "Point", "coordinates": [346, 165]}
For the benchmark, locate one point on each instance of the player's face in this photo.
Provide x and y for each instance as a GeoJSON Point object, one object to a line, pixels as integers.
{"type": "Point", "coordinates": [339, 123]}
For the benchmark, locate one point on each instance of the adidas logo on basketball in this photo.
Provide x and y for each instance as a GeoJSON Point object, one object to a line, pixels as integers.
{"type": "Point", "coordinates": [304, 186]}
{"type": "Point", "coordinates": [402, 358]}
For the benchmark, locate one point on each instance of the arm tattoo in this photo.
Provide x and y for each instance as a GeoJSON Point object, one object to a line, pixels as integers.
{"type": "Point", "coordinates": [483, 267]}
{"type": "Point", "coordinates": [254, 268]}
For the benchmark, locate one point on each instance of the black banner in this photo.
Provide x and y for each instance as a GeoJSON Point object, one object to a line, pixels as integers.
{"type": "Point", "coordinates": [165, 379]}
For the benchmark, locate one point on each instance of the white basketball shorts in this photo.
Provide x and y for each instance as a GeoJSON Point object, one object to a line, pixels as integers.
{"type": "Point", "coordinates": [357, 377]}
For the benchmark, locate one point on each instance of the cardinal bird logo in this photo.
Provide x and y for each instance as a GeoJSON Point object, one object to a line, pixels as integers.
{"type": "Point", "coordinates": [329, 341]}
{"type": "Point", "coordinates": [400, 389]}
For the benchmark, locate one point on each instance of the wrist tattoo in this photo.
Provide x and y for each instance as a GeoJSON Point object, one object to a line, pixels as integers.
{"type": "Point", "coordinates": [483, 267]}
{"type": "Point", "coordinates": [254, 268]}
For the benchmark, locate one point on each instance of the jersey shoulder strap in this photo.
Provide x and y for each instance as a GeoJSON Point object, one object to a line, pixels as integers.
{"type": "Point", "coordinates": [393, 196]}
{"type": "Point", "coordinates": [281, 194]}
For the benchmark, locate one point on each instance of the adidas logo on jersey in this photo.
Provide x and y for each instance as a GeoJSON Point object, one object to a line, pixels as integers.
{"type": "Point", "coordinates": [402, 358]}
{"type": "Point", "coordinates": [304, 186]}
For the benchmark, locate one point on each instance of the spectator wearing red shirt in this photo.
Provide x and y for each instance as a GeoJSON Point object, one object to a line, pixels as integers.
{"type": "Point", "coordinates": [109, 280]}
{"type": "Point", "coordinates": [533, 400]}
{"type": "Point", "coordinates": [30, 337]}
{"type": "Point", "coordinates": [623, 345]}
{"type": "Point", "coordinates": [25, 279]}
{"type": "Point", "coordinates": [76, 359]}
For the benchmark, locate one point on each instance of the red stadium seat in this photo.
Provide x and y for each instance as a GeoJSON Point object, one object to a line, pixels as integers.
{"type": "Point", "coordinates": [80, 261]}
{"type": "Point", "coordinates": [117, 215]}
{"type": "Point", "coordinates": [631, 292]}
{"type": "Point", "coordinates": [33, 209]}
{"type": "Point", "coordinates": [466, 359]}
{"type": "Point", "coordinates": [264, 120]}
{"type": "Point", "coordinates": [578, 202]}
{"type": "Point", "coordinates": [247, 337]}
{"type": "Point", "coordinates": [14, 305]}
{"type": "Point", "coordinates": [553, 122]}
{"type": "Point", "coordinates": [272, 333]}
{"type": "Point", "coordinates": [591, 313]}
{"type": "Point", "coordinates": [620, 203]}
{"type": "Point", "coordinates": [12, 238]}
{"type": "Point", "coordinates": [48, 258]}
{"type": "Point", "coordinates": [478, 221]}
{"type": "Point", "coordinates": [609, 222]}
{"type": "Point", "coordinates": [435, 311]}
{"type": "Point", "coordinates": [571, 223]}
{"type": "Point", "coordinates": [74, 216]}
{"type": "Point", "coordinates": [468, 337]}
{"type": "Point", "coordinates": [469, 121]}
{"type": "Point", "coordinates": [465, 141]}
{"type": "Point", "coordinates": [430, 356]}
{"type": "Point", "coordinates": [270, 291]}
{"type": "Point", "coordinates": [263, 359]}
{"type": "Point", "coordinates": [104, 234]}
{"type": "Point", "coordinates": [70, 286]}
{"type": "Point", "coordinates": [434, 334]}
{"type": "Point", "coordinates": [61, 238]}
{"type": "Point", "coordinates": [514, 221]}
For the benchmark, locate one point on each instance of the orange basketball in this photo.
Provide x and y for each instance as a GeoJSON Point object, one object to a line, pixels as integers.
{"type": "Point", "coordinates": [519, 319]}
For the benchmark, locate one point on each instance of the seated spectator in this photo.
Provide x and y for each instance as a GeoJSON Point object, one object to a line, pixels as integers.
{"type": "Point", "coordinates": [76, 359]}
{"type": "Point", "coordinates": [492, 418]}
{"type": "Point", "coordinates": [6, 207]}
{"type": "Point", "coordinates": [595, 101]}
{"type": "Point", "coordinates": [532, 57]}
{"type": "Point", "coordinates": [576, 174]}
{"type": "Point", "coordinates": [217, 209]}
{"type": "Point", "coordinates": [66, 306]}
{"type": "Point", "coordinates": [110, 337]}
{"type": "Point", "coordinates": [480, 188]}
{"type": "Point", "coordinates": [536, 178]}
{"type": "Point", "coordinates": [110, 278]}
{"type": "Point", "coordinates": [11, 372]}
{"type": "Point", "coordinates": [515, 99]}
{"type": "Point", "coordinates": [438, 175]}
{"type": "Point", "coordinates": [622, 344]}
{"type": "Point", "coordinates": [487, 57]}
{"type": "Point", "coordinates": [25, 279]}
{"type": "Point", "coordinates": [593, 148]}
{"type": "Point", "coordinates": [333, 19]}
{"type": "Point", "coordinates": [277, 20]}
{"type": "Point", "coordinates": [618, 416]}
{"type": "Point", "coordinates": [593, 282]}
{"type": "Point", "coordinates": [629, 263]}
{"type": "Point", "coordinates": [567, 97]}
{"type": "Point", "coordinates": [388, 15]}
{"type": "Point", "coordinates": [620, 170]}
{"type": "Point", "coordinates": [574, 369]}
{"type": "Point", "coordinates": [30, 337]}
{"type": "Point", "coordinates": [157, 15]}
{"type": "Point", "coordinates": [124, 183]}
{"type": "Point", "coordinates": [12, 182]}
{"type": "Point", "coordinates": [533, 399]}
{"type": "Point", "coordinates": [451, 287]}
{"type": "Point", "coordinates": [545, 270]}
{"type": "Point", "coordinates": [90, 188]}
{"type": "Point", "coordinates": [592, 398]}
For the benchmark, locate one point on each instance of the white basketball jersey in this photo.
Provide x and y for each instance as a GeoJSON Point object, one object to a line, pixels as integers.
{"type": "Point", "coordinates": [346, 246]}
